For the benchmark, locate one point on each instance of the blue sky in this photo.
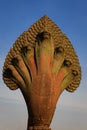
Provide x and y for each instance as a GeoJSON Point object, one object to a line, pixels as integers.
{"type": "Point", "coordinates": [17, 16]}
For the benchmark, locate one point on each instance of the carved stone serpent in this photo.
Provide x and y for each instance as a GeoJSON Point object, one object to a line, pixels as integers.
{"type": "Point", "coordinates": [42, 63]}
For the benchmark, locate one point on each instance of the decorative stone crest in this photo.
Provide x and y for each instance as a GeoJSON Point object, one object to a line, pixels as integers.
{"type": "Point", "coordinates": [42, 63]}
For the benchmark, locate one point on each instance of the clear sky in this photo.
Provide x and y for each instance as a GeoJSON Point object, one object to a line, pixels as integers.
{"type": "Point", "coordinates": [16, 16]}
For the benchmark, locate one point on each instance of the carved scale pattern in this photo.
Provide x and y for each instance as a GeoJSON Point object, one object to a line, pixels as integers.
{"type": "Point", "coordinates": [28, 38]}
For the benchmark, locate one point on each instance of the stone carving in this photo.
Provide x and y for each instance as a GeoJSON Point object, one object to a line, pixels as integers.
{"type": "Point", "coordinates": [42, 63]}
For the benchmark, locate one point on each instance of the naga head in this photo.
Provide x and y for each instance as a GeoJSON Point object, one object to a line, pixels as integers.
{"type": "Point", "coordinates": [43, 34]}
{"type": "Point", "coordinates": [42, 63]}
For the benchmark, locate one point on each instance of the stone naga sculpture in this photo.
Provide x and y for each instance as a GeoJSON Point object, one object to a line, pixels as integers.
{"type": "Point", "coordinates": [42, 63]}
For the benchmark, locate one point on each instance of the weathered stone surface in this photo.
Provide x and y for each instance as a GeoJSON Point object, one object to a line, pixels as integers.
{"type": "Point", "coordinates": [42, 63]}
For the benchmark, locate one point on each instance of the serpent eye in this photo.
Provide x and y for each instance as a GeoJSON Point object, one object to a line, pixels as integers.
{"type": "Point", "coordinates": [43, 35]}
{"type": "Point", "coordinates": [24, 50]}
{"type": "Point", "coordinates": [74, 72]}
{"type": "Point", "coordinates": [67, 63]}
{"type": "Point", "coordinates": [14, 61]}
{"type": "Point", "coordinates": [59, 50]}
{"type": "Point", "coordinates": [7, 73]}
